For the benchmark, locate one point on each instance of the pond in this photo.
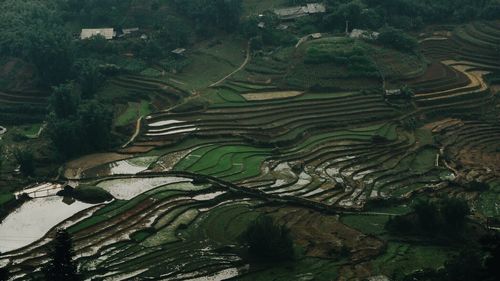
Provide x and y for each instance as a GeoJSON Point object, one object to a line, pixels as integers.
{"type": "Point", "coordinates": [34, 219]}
{"type": "Point", "coordinates": [128, 188]}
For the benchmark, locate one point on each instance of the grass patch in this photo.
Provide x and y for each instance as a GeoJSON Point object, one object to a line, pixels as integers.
{"type": "Point", "coordinates": [30, 131]}
{"type": "Point", "coordinates": [133, 112]}
{"type": "Point", "coordinates": [6, 197]}
{"type": "Point", "coordinates": [424, 160]}
{"type": "Point", "coordinates": [489, 201]}
{"type": "Point", "coordinates": [401, 259]}
{"type": "Point", "coordinates": [368, 224]}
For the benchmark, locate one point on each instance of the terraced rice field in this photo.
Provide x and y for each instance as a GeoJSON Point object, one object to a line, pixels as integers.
{"type": "Point", "coordinates": [189, 182]}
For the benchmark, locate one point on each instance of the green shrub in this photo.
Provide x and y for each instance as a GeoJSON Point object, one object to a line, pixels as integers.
{"type": "Point", "coordinates": [26, 161]}
{"type": "Point", "coordinates": [269, 240]}
{"type": "Point", "coordinates": [397, 39]}
{"type": "Point", "coordinates": [91, 194]}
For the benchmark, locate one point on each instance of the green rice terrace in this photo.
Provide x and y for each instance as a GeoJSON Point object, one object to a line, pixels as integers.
{"type": "Point", "coordinates": [158, 163]}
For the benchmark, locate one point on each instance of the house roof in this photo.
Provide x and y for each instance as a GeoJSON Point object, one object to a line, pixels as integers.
{"type": "Point", "coordinates": [107, 33]}
{"type": "Point", "coordinates": [291, 12]}
{"type": "Point", "coordinates": [316, 35]}
{"type": "Point", "coordinates": [300, 11]}
{"type": "Point", "coordinates": [314, 8]}
{"type": "Point", "coordinates": [179, 51]}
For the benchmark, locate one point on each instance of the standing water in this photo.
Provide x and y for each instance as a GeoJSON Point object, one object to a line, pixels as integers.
{"type": "Point", "coordinates": [34, 219]}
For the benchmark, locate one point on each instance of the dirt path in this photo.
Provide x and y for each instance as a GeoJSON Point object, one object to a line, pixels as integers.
{"type": "Point", "coordinates": [247, 59]}
{"type": "Point", "coordinates": [137, 130]}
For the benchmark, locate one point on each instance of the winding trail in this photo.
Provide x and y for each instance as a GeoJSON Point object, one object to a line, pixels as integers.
{"type": "Point", "coordinates": [245, 62]}
{"type": "Point", "coordinates": [137, 130]}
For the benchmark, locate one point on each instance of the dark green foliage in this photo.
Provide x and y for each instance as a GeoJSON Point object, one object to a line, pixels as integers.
{"type": "Point", "coordinates": [477, 186]}
{"type": "Point", "coordinates": [4, 274]}
{"type": "Point", "coordinates": [446, 217]}
{"type": "Point", "coordinates": [86, 131]}
{"type": "Point", "coordinates": [96, 121]}
{"type": "Point", "coordinates": [405, 14]}
{"type": "Point", "coordinates": [89, 76]}
{"type": "Point", "coordinates": [61, 265]}
{"type": "Point", "coordinates": [427, 215]}
{"type": "Point", "coordinates": [269, 240]}
{"type": "Point", "coordinates": [91, 194]}
{"type": "Point", "coordinates": [409, 124]}
{"type": "Point", "coordinates": [206, 14]}
{"type": "Point", "coordinates": [491, 244]}
{"type": "Point", "coordinates": [65, 136]}
{"type": "Point", "coordinates": [64, 101]}
{"type": "Point", "coordinates": [26, 161]}
{"type": "Point", "coordinates": [473, 263]}
{"type": "Point", "coordinates": [454, 212]}
{"type": "Point", "coordinates": [95, 13]}
{"type": "Point", "coordinates": [468, 265]}
{"type": "Point", "coordinates": [397, 39]}
{"type": "Point", "coordinates": [33, 31]}
{"type": "Point", "coordinates": [15, 114]}
{"type": "Point", "coordinates": [411, 14]}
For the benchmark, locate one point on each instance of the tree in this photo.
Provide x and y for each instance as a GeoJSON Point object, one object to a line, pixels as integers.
{"type": "Point", "coordinates": [32, 30]}
{"type": "Point", "coordinates": [224, 14]}
{"type": "Point", "coordinates": [269, 240]}
{"type": "Point", "coordinates": [65, 135]}
{"type": "Point", "coordinates": [466, 266]}
{"type": "Point", "coordinates": [4, 274]}
{"type": "Point", "coordinates": [427, 215]}
{"type": "Point", "coordinates": [96, 120]}
{"type": "Point", "coordinates": [87, 130]}
{"type": "Point", "coordinates": [397, 39]}
{"type": "Point", "coordinates": [454, 212]}
{"type": "Point", "coordinates": [61, 265]}
{"type": "Point", "coordinates": [26, 161]}
{"type": "Point", "coordinates": [89, 76]}
{"type": "Point", "coordinates": [64, 101]}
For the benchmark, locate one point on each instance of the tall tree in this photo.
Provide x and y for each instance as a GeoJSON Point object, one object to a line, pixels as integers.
{"type": "Point", "coordinates": [4, 274]}
{"type": "Point", "coordinates": [269, 240]}
{"type": "Point", "coordinates": [64, 101]}
{"type": "Point", "coordinates": [26, 161]}
{"type": "Point", "coordinates": [61, 265]}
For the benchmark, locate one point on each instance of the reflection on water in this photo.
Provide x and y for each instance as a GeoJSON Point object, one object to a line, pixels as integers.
{"type": "Point", "coordinates": [34, 219]}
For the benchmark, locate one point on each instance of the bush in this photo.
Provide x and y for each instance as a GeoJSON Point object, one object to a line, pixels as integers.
{"type": "Point", "coordinates": [269, 240]}
{"type": "Point", "coordinates": [477, 186]}
{"type": "Point", "coordinates": [397, 39]}
{"type": "Point", "coordinates": [454, 213]}
{"type": "Point", "coordinates": [91, 194]}
{"type": "Point", "coordinates": [26, 161]}
{"type": "Point", "coordinates": [446, 218]}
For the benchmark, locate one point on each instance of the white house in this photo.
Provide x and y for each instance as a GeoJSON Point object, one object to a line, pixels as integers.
{"type": "Point", "coordinates": [300, 11]}
{"type": "Point", "coordinates": [107, 33]}
{"type": "Point", "coordinates": [364, 34]}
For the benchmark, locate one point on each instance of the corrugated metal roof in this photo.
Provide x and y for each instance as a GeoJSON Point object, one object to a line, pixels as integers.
{"type": "Point", "coordinates": [300, 11]}
{"type": "Point", "coordinates": [107, 33]}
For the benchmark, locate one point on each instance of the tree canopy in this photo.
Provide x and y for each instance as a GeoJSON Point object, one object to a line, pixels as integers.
{"type": "Point", "coordinates": [61, 265]}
